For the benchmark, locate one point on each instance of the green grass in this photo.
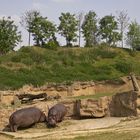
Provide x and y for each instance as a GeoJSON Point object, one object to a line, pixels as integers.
{"type": "Point", "coordinates": [95, 96]}
{"type": "Point", "coordinates": [110, 136]}
{"type": "Point", "coordinates": [37, 66]}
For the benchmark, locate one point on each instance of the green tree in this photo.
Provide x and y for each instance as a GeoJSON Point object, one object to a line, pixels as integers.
{"type": "Point", "coordinates": [68, 27]}
{"type": "Point", "coordinates": [42, 30]}
{"type": "Point", "coordinates": [26, 20]}
{"type": "Point", "coordinates": [90, 29]}
{"type": "Point", "coordinates": [133, 35]}
{"type": "Point", "coordinates": [109, 30]}
{"type": "Point", "coordinates": [9, 35]}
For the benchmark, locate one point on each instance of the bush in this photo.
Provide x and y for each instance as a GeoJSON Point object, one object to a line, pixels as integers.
{"type": "Point", "coordinates": [51, 45]}
{"type": "Point", "coordinates": [103, 69]}
{"type": "Point", "coordinates": [124, 66]}
{"type": "Point", "coordinates": [26, 49]}
{"type": "Point", "coordinates": [104, 53]}
{"type": "Point", "coordinates": [27, 61]}
{"type": "Point", "coordinates": [96, 54]}
{"type": "Point", "coordinates": [37, 57]}
{"type": "Point", "coordinates": [16, 58]}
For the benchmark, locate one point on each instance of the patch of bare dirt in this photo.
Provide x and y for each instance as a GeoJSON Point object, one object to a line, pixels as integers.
{"type": "Point", "coordinates": [64, 128]}
{"type": "Point", "coordinates": [73, 128]}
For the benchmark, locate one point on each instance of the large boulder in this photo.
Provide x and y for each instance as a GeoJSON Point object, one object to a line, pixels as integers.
{"type": "Point", "coordinates": [95, 108]}
{"type": "Point", "coordinates": [123, 104]}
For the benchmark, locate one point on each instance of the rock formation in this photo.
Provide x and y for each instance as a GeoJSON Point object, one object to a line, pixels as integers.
{"type": "Point", "coordinates": [134, 83]}
{"type": "Point", "coordinates": [137, 91]}
{"type": "Point", "coordinates": [123, 104]}
{"type": "Point", "coordinates": [95, 108]}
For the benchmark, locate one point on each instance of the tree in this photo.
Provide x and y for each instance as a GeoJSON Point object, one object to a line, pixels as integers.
{"type": "Point", "coordinates": [26, 20]}
{"type": "Point", "coordinates": [123, 20]}
{"type": "Point", "coordinates": [80, 19]}
{"type": "Point", "coordinates": [90, 29]}
{"type": "Point", "coordinates": [133, 35]}
{"type": "Point", "coordinates": [68, 27]}
{"type": "Point", "coordinates": [9, 35]}
{"type": "Point", "coordinates": [108, 30]}
{"type": "Point", "coordinates": [42, 30]}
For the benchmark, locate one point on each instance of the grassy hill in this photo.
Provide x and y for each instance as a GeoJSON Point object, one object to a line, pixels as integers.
{"type": "Point", "coordinates": [36, 66]}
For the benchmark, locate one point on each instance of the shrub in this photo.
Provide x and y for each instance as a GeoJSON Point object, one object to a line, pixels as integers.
{"type": "Point", "coordinates": [124, 66]}
{"type": "Point", "coordinates": [51, 45]}
{"type": "Point", "coordinates": [16, 58]}
{"type": "Point", "coordinates": [26, 49]}
{"type": "Point", "coordinates": [27, 61]}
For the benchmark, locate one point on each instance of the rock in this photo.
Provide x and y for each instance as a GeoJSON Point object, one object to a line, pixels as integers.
{"type": "Point", "coordinates": [92, 107]}
{"type": "Point", "coordinates": [70, 105]}
{"type": "Point", "coordinates": [138, 103]}
{"type": "Point", "coordinates": [16, 101]}
{"type": "Point", "coordinates": [123, 104]}
{"type": "Point", "coordinates": [6, 99]}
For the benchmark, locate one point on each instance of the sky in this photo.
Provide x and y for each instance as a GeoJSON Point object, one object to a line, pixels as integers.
{"type": "Point", "coordinates": [53, 9]}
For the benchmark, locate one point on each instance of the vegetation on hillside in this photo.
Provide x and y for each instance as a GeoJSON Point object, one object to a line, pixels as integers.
{"type": "Point", "coordinates": [36, 66]}
{"type": "Point", "coordinates": [100, 59]}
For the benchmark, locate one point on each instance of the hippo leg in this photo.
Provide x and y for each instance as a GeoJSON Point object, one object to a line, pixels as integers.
{"type": "Point", "coordinates": [14, 128]}
{"type": "Point", "coordinates": [11, 128]}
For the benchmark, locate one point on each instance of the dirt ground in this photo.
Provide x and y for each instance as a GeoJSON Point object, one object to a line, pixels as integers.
{"type": "Point", "coordinates": [107, 128]}
{"type": "Point", "coordinates": [70, 129]}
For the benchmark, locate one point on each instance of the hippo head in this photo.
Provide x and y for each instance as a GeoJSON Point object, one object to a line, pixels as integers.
{"type": "Point", "coordinates": [43, 117]}
{"type": "Point", "coordinates": [51, 122]}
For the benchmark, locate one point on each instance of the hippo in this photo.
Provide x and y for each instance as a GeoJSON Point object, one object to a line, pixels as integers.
{"type": "Point", "coordinates": [25, 117]}
{"type": "Point", "coordinates": [56, 114]}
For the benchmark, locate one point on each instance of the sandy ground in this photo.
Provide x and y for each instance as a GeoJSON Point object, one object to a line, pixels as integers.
{"type": "Point", "coordinates": [73, 128]}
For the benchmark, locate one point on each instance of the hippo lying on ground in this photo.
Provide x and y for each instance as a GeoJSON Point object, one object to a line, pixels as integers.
{"type": "Point", "coordinates": [56, 114]}
{"type": "Point", "coordinates": [26, 117]}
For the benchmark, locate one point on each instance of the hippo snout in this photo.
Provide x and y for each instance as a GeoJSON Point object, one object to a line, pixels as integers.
{"type": "Point", "coordinates": [51, 123]}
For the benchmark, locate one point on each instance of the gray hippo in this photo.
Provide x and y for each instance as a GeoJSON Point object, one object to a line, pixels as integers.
{"type": "Point", "coordinates": [56, 114]}
{"type": "Point", "coordinates": [26, 117]}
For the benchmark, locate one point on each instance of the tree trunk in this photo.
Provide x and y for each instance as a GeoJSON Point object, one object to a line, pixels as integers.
{"type": "Point", "coordinates": [29, 39]}
{"type": "Point", "coordinates": [79, 35]}
{"type": "Point", "coordinates": [122, 38]}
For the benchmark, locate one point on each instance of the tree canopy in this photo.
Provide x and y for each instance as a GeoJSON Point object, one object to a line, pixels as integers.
{"type": "Point", "coordinates": [42, 30]}
{"type": "Point", "coordinates": [133, 35]}
{"type": "Point", "coordinates": [9, 35]}
{"type": "Point", "coordinates": [90, 29]}
{"type": "Point", "coordinates": [68, 27]}
{"type": "Point", "coordinates": [109, 30]}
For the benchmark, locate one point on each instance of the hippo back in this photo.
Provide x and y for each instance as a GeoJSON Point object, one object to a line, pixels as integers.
{"type": "Point", "coordinates": [27, 116]}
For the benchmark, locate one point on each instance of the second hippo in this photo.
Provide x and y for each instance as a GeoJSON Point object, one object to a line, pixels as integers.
{"type": "Point", "coordinates": [56, 114]}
